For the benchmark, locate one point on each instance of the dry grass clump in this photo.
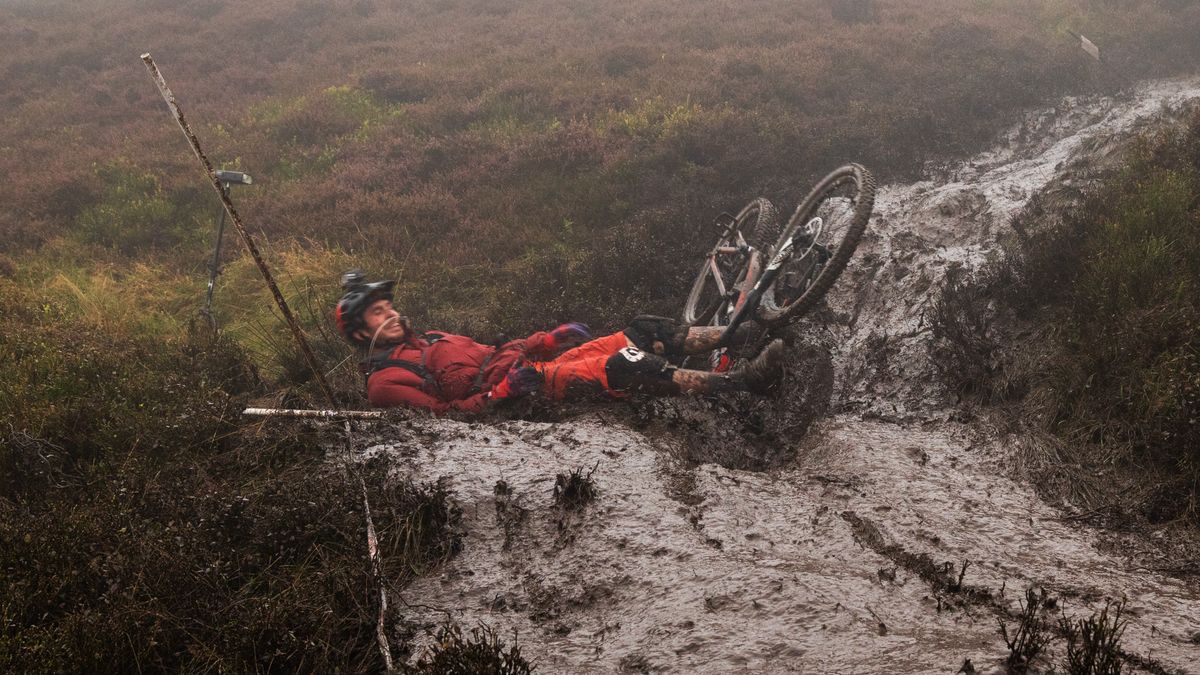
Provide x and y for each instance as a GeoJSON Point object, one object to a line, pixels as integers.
{"type": "Point", "coordinates": [478, 653]}
{"type": "Point", "coordinates": [575, 489]}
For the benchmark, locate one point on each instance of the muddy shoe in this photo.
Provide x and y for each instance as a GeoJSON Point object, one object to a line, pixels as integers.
{"type": "Point", "coordinates": [764, 371]}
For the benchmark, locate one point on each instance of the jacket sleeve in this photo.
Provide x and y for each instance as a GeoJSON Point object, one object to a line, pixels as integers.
{"type": "Point", "coordinates": [385, 390]}
{"type": "Point", "coordinates": [540, 346]}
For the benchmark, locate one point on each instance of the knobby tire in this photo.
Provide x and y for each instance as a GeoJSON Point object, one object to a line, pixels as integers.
{"type": "Point", "coordinates": [768, 312]}
{"type": "Point", "coordinates": [764, 228]}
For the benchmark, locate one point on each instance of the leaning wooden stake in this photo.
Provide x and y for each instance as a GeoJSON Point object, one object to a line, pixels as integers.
{"type": "Point", "coordinates": [372, 542]}
{"type": "Point", "coordinates": [241, 229]}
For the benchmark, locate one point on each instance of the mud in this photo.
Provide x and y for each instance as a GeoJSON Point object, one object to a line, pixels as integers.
{"type": "Point", "coordinates": [859, 522]}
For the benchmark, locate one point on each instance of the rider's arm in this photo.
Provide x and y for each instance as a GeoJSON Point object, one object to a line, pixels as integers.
{"type": "Point", "coordinates": [386, 389]}
{"type": "Point", "coordinates": [540, 346]}
{"type": "Point", "coordinates": [547, 345]}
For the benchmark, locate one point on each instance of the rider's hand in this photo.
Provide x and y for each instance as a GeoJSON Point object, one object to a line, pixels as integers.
{"type": "Point", "coordinates": [520, 381]}
{"type": "Point", "coordinates": [570, 334]}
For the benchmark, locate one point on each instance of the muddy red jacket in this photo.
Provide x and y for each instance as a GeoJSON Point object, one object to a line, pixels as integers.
{"type": "Point", "coordinates": [440, 371]}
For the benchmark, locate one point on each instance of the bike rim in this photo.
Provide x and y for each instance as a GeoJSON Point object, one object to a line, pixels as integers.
{"type": "Point", "coordinates": [837, 208]}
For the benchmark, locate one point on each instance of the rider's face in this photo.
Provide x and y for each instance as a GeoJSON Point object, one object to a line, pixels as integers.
{"type": "Point", "coordinates": [382, 317]}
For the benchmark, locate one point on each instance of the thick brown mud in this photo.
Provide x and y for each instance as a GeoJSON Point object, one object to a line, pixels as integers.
{"type": "Point", "coordinates": [858, 522]}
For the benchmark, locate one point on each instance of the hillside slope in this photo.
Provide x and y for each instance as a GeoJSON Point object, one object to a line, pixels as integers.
{"type": "Point", "coordinates": [848, 556]}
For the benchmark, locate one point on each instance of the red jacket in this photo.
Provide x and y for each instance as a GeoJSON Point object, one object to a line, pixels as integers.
{"type": "Point", "coordinates": [453, 363]}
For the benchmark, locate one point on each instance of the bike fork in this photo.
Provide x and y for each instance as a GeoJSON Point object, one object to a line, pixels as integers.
{"type": "Point", "coordinates": [747, 301]}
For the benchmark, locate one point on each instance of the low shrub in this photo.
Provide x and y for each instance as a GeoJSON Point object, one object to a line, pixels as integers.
{"type": "Point", "coordinates": [1108, 356]}
{"type": "Point", "coordinates": [478, 652]}
{"type": "Point", "coordinates": [1093, 644]}
{"type": "Point", "coordinates": [1030, 636]}
{"type": "Point", "coordinates": [143, 525]}
{"type": "Point", "coordinates": [134, 215]}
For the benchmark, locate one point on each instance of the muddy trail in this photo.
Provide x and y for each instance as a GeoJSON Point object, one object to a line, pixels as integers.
{"type": "Point", "coordinates": [829, 529]}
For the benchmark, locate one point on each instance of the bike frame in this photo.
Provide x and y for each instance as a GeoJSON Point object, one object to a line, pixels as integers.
{"type": "Point", "coordinates": [754, 286]}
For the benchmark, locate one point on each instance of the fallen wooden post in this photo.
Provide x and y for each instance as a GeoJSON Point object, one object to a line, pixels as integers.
{"type": "Point", "coordinates": [313, 414]}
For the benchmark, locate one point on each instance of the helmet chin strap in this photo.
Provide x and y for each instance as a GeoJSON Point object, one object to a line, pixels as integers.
{"type": "Point", "coordinates": [377, 332]}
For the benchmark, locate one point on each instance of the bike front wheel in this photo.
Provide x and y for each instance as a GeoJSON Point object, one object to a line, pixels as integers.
{"type": "Point", "coordinates": [817, 242]}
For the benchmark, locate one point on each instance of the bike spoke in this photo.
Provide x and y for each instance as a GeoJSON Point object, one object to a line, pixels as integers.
{"type": "Point", "coordinates": [837, 213]}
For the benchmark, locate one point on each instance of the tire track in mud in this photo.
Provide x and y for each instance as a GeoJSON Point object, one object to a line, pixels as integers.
{"type": "Point", "coordinates": [940, 577]}
{"type": "Point", "coordinates": [819, 545]}
{"type": "Point", "coordinates": [942, 580]}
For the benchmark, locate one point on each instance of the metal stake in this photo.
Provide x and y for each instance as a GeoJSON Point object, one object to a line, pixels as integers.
{"type": "Point", "coordinates": [228, 180]}
{"type": "Point", "coordinates": [213, 267]}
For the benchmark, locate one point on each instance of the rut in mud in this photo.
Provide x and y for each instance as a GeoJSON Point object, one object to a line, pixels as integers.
{"type": "Point", "coordinates": [855, 524]}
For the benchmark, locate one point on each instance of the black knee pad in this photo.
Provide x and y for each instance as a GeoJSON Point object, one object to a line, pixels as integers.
{"type": "Point", "coordinates": [632, 368]}
{"type": "Point", "coordinates": [647, 329]}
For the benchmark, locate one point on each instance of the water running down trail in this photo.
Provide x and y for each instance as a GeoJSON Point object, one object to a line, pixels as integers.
{"type": "Point", "coordinates": [832, 562]}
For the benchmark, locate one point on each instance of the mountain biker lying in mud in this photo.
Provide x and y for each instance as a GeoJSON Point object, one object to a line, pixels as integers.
{"type": "Point", "coordinates": [443, 372]}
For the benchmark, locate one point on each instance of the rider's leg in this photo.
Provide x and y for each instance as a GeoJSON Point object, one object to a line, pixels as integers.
{"type": "Point", "coordinates": [656, 334]}
{"type": "Point", "coordinates": [635, 370]}
{"type": "Point", "coordinates": [701, 339]}
{"type": "Point", "coordinates": [666, 337]}
{"type": "Point", "coordinates": [580, 369]}
{"type": "Point", "coordinates": [602, 346]}
{"type": "Point", "coordinates": [564, 378]}
{"type": "Point", "coordinates": [611, 364]}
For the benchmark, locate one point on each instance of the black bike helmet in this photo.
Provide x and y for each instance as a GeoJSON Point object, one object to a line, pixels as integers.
{"type": "Point", "coordinates": [359, 295]}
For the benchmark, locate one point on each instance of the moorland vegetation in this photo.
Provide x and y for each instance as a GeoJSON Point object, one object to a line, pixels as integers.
{"type": "Point", "coordinates": [1089, 329]}
{"type": "Point", "coordinates": [514, 163]}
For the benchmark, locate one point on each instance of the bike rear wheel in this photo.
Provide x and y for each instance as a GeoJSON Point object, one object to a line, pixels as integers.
{"type": "Point", "coordinates": [715, 289]}
{"type": "Point", "coordinates": [817, 242]}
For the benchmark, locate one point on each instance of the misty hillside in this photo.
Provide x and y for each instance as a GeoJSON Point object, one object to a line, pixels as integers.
{"type": "Point", "coordinates": [499, 141]}
{"type": "Point", "coordinates": [990, 420]}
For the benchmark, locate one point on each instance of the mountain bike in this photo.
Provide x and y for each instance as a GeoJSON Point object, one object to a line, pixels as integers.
{"type": "Point", "coordinates": [756, 270]}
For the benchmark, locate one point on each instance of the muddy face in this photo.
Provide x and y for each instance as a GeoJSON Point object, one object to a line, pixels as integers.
{"type": "Point", "coordinates": [383, 324]}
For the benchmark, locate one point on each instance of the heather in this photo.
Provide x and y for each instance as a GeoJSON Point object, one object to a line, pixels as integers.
{"type": "Point", "coordinates": [514, 165]}
{"type": "Point", "coordinates": [1090, 330]}
{"type": "Point", "coordinates": [144, 526]}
